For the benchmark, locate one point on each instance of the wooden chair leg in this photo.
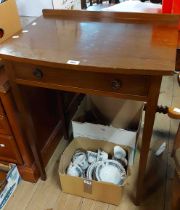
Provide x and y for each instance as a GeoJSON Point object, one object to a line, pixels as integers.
{"type": "Point", "coordinates": [176, 141]}
{"type": "Point", "coordinates": [175, 195]}
{"type": "Point", "coordinates": [91, 3]}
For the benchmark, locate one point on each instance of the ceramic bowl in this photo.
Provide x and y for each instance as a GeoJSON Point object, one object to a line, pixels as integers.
{"type": "Point", "coordinates": [119, 152]}
{"type": "Point", "coordinates": [102, 155]}
{"type": "Point", "coordinates": [77, 154]}
{"type": "Point", "coordinates": [74, 170]}
{"type": "Point", "coordinates": [92, 156]}
{"type": "Point", "coordinates": [81, 160]}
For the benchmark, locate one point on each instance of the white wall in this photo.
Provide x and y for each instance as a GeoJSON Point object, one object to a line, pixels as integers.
{"type": "Point", "coordinates": [33, 7]}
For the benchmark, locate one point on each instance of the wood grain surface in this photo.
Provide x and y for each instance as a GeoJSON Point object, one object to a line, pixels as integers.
{"type": "Point", "coordinates": [100, 41]}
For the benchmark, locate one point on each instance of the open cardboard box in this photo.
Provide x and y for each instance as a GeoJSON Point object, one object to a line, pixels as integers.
{"type": "Point", "coordinates": [121, 113]}
{"type": "Point", "coordinates": [9, 20]}
{"type": "Point", "coordinates": [101, 191]}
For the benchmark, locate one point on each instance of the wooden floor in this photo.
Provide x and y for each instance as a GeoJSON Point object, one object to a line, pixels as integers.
{"type": "Point", "coordinates": [48, 195]}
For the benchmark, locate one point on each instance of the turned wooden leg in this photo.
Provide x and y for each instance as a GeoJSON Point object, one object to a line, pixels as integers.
{"type": "Point", "coordinates": [83, 4]}
{"type": "Point", "coordinates": [91, 3]}
{"type": "Point", "coordinates": [26, 121]}
{"type": "Point", "coordinates": [151, 107]}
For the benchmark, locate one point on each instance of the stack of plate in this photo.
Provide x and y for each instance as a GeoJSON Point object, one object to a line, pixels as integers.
{"type": "Point", "coordinates": [96, 165]}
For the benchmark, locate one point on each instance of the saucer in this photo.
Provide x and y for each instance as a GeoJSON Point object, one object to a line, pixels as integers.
{"type": "Point", "coordinates": [110, 171]}
{"type": "Point", "coordinates": [122, 161]}
{"type": "Point", "coordinates": [91, 170]}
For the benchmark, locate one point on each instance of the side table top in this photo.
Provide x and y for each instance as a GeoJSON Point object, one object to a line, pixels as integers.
{"type": "Point", "coordinates": [127, 43]}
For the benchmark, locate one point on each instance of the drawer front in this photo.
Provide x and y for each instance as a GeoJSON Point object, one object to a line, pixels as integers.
{"type": "Point", "coordinates": [8, 150]}
{"type": "Point", "coordinates": [82, 81]}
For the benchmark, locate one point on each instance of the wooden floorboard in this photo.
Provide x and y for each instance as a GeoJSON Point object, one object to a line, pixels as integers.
{"type": "Point", "coordinates": [35, 196]}
{"type": "Point", "coordinates": [88, 204]}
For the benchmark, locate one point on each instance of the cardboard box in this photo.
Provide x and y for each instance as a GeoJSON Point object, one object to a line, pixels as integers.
{"type": "Point", "coordinates": [101, 191]}
{"type": "Point", "coordinates": [13, 179]}
{"type": "Point", "coordinates": [113, 133]}
{"type": "Point", "coordinates": [9, 20]}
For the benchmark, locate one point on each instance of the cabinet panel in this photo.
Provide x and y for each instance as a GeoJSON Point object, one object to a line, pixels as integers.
{"type": "Point", "coordinates": [4, 124]}
{"type": "Point", "coordinates": [8, 149]}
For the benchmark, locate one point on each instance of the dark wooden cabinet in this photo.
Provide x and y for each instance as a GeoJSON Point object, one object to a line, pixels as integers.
{"type": "Point", "coordinates": [8, 147]}
{"type": "Point", "coordinates": [13, 146]}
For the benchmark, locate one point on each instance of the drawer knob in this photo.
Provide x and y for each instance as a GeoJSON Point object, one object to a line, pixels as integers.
{"type": "Point", "coordinates": [116, 84]}
{"type": "Point", "coordinates": [38, 73]}
{"type": "Point", "coordinates": [2, 145]}
{"type": "Point", "coordinates": [1, 117]}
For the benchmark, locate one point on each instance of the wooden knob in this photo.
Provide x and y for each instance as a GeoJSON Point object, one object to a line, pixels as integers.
{"type": "Point", "coordinates": [1, 33]}
{"type": "Point", "coordinates": [116, 84]}
{"type": "Point", "coordinates": [38, 74]}
{"type": "Point", "coordinates": [174, 112]}
{"type": "Point", "coordinates": [1, 117]}
{"type": "Point", "coordinates": [2, 145]}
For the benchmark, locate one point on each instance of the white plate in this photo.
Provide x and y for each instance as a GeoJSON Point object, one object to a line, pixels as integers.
{"type": "Point", "coordinates": [91, 170]}
{"type": "Point", "coordinates": [110, 171]}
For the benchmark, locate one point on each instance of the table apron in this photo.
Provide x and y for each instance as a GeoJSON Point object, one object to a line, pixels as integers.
{"type": "Point", "coordinates": [134, 87]}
